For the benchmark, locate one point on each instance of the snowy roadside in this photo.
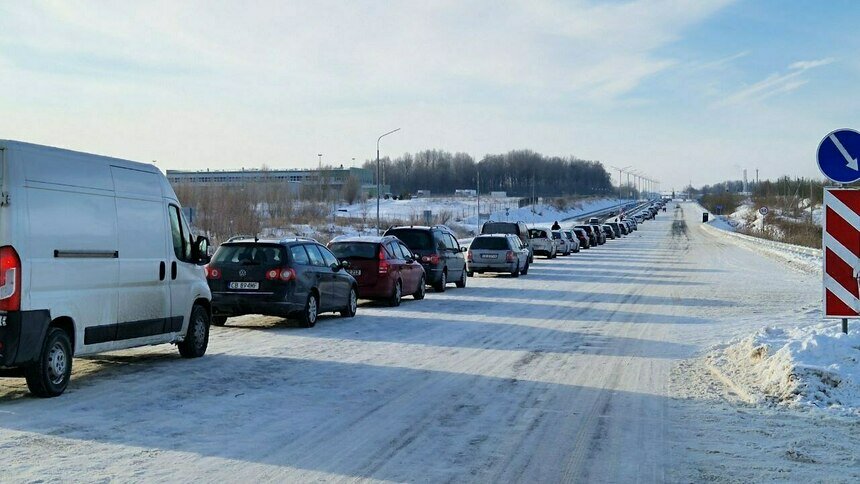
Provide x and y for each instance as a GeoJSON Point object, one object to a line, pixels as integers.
{"type": "Point", "coordinates": [812, 366]}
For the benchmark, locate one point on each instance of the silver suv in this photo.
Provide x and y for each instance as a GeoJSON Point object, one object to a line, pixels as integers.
{"type": "Point", "coordinates": [542, 243]}
{"type": "Point", "coordinates": [497, 253]}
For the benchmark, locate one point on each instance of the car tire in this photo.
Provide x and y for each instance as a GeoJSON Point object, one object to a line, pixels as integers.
{"type": "Point", "coordinates": [351, 304]}
{"type": "Point", "coordinates": [219, 320]}
{"type": "Point", "coordinates": [462, 282]}
{"type": "Point", "coordinates": [50, 375]}
{"type": "Point", "coordinates": [525, 270]}
{"type": "Point", "coordinates": [443, 281]}
{"type": "Point", "coordinates": [421, 291]}
{"type": "Point", "coordinates": [311, 311]}
{"type": "Point", "coordinates": [197, 336]}
{"type": "Point", "coordinates": [396, 294]}
{"type": "Point", "coordinates": [470, 273]}
{"type": "Point", "coordinates": [516, 272]}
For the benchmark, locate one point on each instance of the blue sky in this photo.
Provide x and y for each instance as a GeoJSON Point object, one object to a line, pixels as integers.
{"type": "Point", "coordinates": [682, 90]}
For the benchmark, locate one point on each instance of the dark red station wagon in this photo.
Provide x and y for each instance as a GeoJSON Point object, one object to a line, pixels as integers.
{"type": "Point", "coordinates": [383, 267]}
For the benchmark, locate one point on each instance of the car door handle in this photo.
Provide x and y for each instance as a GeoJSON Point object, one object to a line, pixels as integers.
{"type": "Point", "coordinates": [173, 270]}
{"type": "Point", "coordinates": [162, 271]}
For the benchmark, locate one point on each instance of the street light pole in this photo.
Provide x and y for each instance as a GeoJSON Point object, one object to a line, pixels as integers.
{"type": "Point", "coordinates": [378, 180]}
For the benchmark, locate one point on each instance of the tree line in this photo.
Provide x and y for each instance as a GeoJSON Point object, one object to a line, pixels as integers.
{"type": "Point", "coordinates": [519, 173]}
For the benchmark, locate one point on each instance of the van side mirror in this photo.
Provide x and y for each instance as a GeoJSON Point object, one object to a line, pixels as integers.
{"type": "Point", "coordinates": [200, 250]}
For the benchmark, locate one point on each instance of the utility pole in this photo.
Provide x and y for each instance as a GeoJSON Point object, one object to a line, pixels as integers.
{"type": "Point", "coordinates": [378, 186]}
{"type": "Point", "coordinates": [478, 193]}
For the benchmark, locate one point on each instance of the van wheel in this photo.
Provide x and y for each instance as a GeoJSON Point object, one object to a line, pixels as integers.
{"type": "Point", "coordinates": [462, 282]}
{"type": "Point", "coordinates": [197, 337]}
{"type": "Point", "coordinates": [443, 281]}
{"type": "Point", "coordinates": [525, 270]}
{"type": "Point", "coordinates": [219, 320]}
{"type": "Point", "coordinates": [421, 291]}
{"type": "Point", "coordinates": [351, 305]}
{"type": "Point", "coordinates": [396, 295]}
{"type": "Point", "coordinates": [309, 315]}
{"type": "Point", "coordinates": [49, 376]}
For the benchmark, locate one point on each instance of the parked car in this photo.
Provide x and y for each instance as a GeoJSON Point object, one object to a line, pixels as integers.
{"type": "Point", "coordinates": [593, 239]}
{"type": "Point", "coordinates": [573, 240]}
{"type": "Point", "coordinates": [516, 228]}
{"type": "Point", "coordinates": [594, 221]}
{"type": "Point", "coordinates": [618, 229]}
{"type": "Point", "coordinates": [383, 267]}
{"type": "Point", "coordinates": [562, 244]}
{"type": "Point", "coordinates": [96, 256]}
{"type": "Point", "coordinates": [293, 277]}
{"type": "Point", "coordinates": [440, 253]}
{"type": "Point", "coordinates": [542, 243]}
{"type": "Point", "coordinates": [498, 253]}
{"type": "Point", "coordinates": [609, 231]}
{"type": "Point", "coordinates": [582, 236]}
{"type": "Point", "coordinates": [600, 234]}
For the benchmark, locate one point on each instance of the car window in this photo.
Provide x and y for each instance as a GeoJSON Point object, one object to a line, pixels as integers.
{"type": "Point", "coordinates": [315, 256]}
{"type": "Point", "coordinates": [405, 251]}
{"type": "Point", "coordinates": [250, 254]}
{"type": "Point", "coordinates": [354, 250]}
{"type": "Point", "coordinates": [392, 250]}
{"type": "Point", "coordinates": [498, 228]}
{"type": "Point", "coordinates": [489, 243]}
{"type": "Point", "coordinates": [328, 257]}
{"type": "Point", "coordinates": [452, 242]}
{"type": "Point", "coordinates": [415, 239]}
{"type": "Point", "coordinates": [300, 256]}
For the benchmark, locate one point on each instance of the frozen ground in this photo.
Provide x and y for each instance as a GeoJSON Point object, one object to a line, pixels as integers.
{"type": "Point", "coordinates": [586, 370]}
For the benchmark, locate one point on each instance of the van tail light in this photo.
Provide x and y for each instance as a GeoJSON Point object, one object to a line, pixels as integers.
{"type": "Point", "coordinates": [431, 259]}
{"type": "Point", "coordinates": [509, 257]}
{"type": "Point", "coordinates": [212, 273]}
{"type": "Point", "coordinates": [283, 274]}
{"type": "Point", "coordinates": [10, 279]}
{"type": "Point", "coordinates": [384, 266]}
{"type": "Point", "coordinates": [469, 256]}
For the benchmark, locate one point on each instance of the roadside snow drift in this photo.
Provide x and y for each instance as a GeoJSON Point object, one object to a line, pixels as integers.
{"type": "Point", "coordinates": [811, 366]}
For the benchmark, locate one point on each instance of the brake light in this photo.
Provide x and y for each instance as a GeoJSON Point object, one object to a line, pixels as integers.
{"type": "Point", "coordinates": [10, 279]}
{"type": "Point", "coordinates": [383, 263]}
{"type": "Point", "coordinates": [284, 274]}
{"type": "Point", "coordinates": [469, 256]}
{"type": "Point", "coordinates": [431, 259]}
{"type": "Point", "coordinates": [212, 272]}
{"type": "Point", "coordinates": [509, 257]}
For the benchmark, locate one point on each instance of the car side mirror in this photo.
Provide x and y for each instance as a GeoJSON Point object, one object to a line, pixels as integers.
{"type": "Point", "coordinates": [335, 267]}
{"type": "Point", "coordinates": [463, 249]}
{"type": "Point", "coordinates": [200, 250]}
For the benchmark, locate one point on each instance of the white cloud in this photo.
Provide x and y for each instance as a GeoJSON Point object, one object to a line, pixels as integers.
{"type": "Point", "coordinates": [773, 84]}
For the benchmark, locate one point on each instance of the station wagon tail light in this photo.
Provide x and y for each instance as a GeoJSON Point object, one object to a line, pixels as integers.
{"type": "Point", "coordinates": [431, 259]}
{"type": "Point", "coordinates": [212, 272]}
{"type": "Point", "coordinates": [509, 257]}
{"type": "Point", "coordinates": [383, 263]}
{"type": "Point", "coordinates": [469, 256]}
{"type": "Point", "coordinates": [10, 279]}
{"type": "Point", "coordinates": [285, 274]}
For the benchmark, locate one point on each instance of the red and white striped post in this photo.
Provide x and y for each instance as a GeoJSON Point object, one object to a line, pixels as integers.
{"type": "Point", "coordinates": [841, 246]}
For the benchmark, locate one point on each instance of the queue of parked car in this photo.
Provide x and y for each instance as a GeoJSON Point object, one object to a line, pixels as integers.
{"type": "Point", "coordinates": [301, 278]}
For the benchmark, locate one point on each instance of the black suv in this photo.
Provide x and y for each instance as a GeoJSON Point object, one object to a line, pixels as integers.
{"type": "Point", "coordinates": [439, 252]}
{"type": "Point", "coordinates": [288, 277]}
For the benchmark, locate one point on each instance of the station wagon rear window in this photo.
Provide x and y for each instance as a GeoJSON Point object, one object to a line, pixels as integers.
{"type": "Point", "coordinates": [354, 250]}
{"type": "Point", "coordinates": [489, 243]}
{"type": "Point", "coordinates": [249, 254]}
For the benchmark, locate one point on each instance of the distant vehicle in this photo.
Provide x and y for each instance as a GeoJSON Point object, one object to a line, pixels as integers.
{"type": "Point", "coordinates": [96, 256]}
{"type": "Point", "coordinates": [582, 236]}
{"type": "Point", "coordinates": [562, 244]}
{"type": "Point", "coordinates": [441, 254]}
{"type": "Point", "coordinates": [572, 239]}
{"type": "Point", "coordinates": [292, 277]}
{"type": "Point", "coordinates": [599, 231]}
{"type": "Point", "coordinates": [593, 220]}
{"type": "Point", "coordinates": [618, 229]}
{"type": "Point", "coordinates": [609, 231]}
{"type": "Point", "coordinates": [383, 267]}
{"type": "Point", "coordinates": [593, 238]}
{"type": "Point", "coordinates": [542, 243]}
{"type": "Point", "coordinates": [497, 253]}
{"type": "Point", "coordinates": [517, 228]}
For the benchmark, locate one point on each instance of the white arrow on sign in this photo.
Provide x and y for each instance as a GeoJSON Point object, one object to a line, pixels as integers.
{"type": "Point", "coordinates": [852, 162]}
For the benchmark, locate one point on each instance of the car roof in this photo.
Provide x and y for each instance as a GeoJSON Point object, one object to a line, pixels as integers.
{"type": "Point", "coordinates": [283, 241]}
{"type": "Point", "coordinates": [495, 235]}
{"type": "Point", "coordinates": [373, 239]}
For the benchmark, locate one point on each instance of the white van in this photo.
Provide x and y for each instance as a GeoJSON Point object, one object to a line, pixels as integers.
{"type": "Point", "coordinates": [94, 256]}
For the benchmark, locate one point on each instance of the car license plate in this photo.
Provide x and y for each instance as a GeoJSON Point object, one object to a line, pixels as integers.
{"type": "Point", "coordinates": [490, 256]}
{"type": "Point", "coordinates": [244, 285]}
{"type": "Point", "coordinates": [354, 272]}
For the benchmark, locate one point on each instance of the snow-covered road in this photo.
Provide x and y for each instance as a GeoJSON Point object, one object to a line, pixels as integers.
{"type": "Point", "coordinates": [577, 372]}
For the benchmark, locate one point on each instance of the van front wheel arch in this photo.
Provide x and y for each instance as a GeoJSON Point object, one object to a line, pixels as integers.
{"type": "Point", "coordinates": [49, 375]}
{"type": "Point", "coordinates": [197, 337]}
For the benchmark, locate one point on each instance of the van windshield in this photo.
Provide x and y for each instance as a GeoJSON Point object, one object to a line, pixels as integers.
{"type": "Point", "coordinates": [354, 250]}
{"type": "Point", "coordinates": [489, 243]}
{"type": "Point", "coordinates": [499, 228]}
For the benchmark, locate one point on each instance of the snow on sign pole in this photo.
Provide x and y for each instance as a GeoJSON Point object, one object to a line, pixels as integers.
{"type": "Point", "coordinates": [841, 245]}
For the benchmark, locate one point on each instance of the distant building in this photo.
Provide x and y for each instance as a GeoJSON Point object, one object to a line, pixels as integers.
{"type": "Point", "coordinates": [465, 192]}
{"type": "Point", "coordinates": [332, 179]}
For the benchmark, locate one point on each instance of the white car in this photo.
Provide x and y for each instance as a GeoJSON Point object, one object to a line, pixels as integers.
{"type": "Point", "coordinates": [542, 243]}
{"type": "Point", "coordinates": [563, 245]}
{"type": "Point", "coordinates": [96, 256]}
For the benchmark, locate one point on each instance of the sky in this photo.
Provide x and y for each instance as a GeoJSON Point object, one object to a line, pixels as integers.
{"type": "Point", "coordinates": [683, 91]}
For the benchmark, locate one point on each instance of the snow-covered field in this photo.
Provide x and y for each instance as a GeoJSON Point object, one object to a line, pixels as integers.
{"type": "Point", "coordinates": [588, 369]}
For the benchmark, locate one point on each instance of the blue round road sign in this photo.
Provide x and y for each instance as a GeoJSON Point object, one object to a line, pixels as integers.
{"type": "Point", "coordinates": [838, 156]}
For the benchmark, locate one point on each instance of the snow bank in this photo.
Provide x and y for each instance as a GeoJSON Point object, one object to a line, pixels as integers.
{"type": "Point", "coordinates": [812, 366]}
